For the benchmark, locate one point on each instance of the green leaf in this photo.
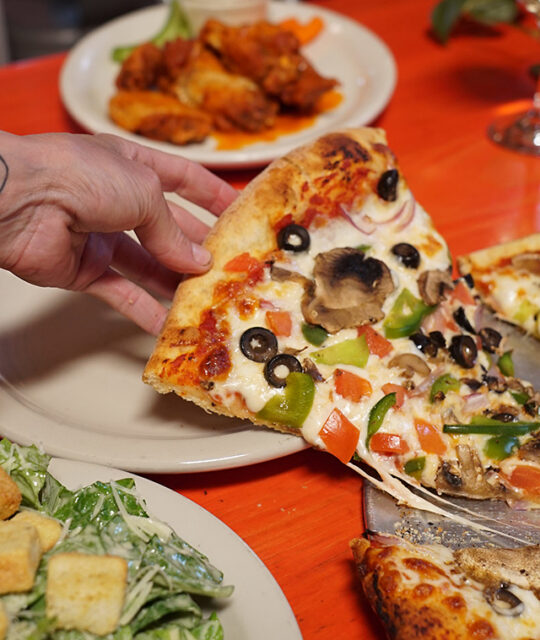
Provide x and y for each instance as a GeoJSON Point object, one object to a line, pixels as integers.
{"type": "Point", "coordinates": [27, 467]}
{"type": "Point", "coordinates": [181, 609]}
{"type": "Point", "coordinates": [491, 11]}
{"type": "Point", "coordinates": [176, 26]}
{"type": "Point", "coordinates": [444, 16]}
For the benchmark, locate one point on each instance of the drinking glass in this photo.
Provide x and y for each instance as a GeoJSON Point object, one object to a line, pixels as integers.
{"type": "Point", "coordinates": [521, 131]}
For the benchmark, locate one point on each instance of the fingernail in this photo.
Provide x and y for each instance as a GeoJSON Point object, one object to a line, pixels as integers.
{"type": "Point", "coordinates": [201, 255]}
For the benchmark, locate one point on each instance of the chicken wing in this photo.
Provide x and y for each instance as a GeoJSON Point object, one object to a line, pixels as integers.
{"type": "Point", "coordinates": [270, 56]}
{"type": "Point", "coordinates": [141, 68]}
{"type": "Point", "coordinates": [159, 116]}
{"type": "Point", "coordinates": [234, 102]}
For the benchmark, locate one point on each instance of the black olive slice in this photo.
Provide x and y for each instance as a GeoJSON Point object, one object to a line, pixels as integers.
{"type": "Point", "coordinates": [504, 416]}
{"type": "Point", "coordinates": [278, 368]}
{"type": "Point", "coordinates": [490, 339]}
{"type": "Point", "coordinates": [424, 344]}
{"type": "Point", "coordinates": [387, 185]}
{"type": "Point", "coordinates": [437, 338]}
{"type": "Point", "coordinates": [461, 318]}
{"type": "Point", "coordinates": [428, 344]}
{"type": "Point", "coordinates": [463, 350]}
{"type": "Point", "coordinates": [469, 280]}
{"type": "Point", "coordinates": [473, 384]}
{"type": "Point", "coordinates": [407, 255]}
{"type": "Point", "coordinates": [293, 237]}
{"type": "Point", "coordinates": [531, 408]}
{"type": "Point", "coordinates": [258, 344]}
{"type": "Point", "coordinates": [503, 601]}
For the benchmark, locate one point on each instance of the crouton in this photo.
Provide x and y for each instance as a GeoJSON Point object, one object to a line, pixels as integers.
{"type": "Point", "coordinates": [49, 530]}
{"type": "Point", "coordinates": [4, 622]}
{"type": "Point", "coordinates": [86, 592]}
{"type": "Point", "coordinates": [20, 553]}
{"type": "Point", "coordinates": [10, 495]}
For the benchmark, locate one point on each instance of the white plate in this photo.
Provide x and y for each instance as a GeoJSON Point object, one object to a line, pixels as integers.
{"type": "Point", "coordinates": [70, 380]}
{"type": "Point", "coordinates": [345, 50]}
{"type": "Point", "coordinates": [258, 607]}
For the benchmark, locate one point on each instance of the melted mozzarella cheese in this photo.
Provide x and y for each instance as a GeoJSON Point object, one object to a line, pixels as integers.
{"type": "Point", "coordinates": [515, 294]}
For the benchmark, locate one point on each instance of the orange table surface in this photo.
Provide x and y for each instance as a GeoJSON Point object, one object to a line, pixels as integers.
{"type": "Point", "coordinates": [299, 513]}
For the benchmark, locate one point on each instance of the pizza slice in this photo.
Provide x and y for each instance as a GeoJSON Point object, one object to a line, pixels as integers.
{"type": "Point", "coordinates": [432, 592]}
{"type": "Point", "coordinates": [507, 277]}
{"type": "Point", "coordinates": [330, 313]}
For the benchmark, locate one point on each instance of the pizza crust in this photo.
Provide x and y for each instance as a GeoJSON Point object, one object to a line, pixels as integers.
{"type": "Point", "coordinates": [486, 258]}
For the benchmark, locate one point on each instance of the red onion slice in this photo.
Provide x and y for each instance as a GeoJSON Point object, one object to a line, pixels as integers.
{"type": "Point", "coordinates": [365, 224]}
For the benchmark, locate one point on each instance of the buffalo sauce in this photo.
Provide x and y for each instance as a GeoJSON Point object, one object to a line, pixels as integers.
{"type": "Point", "coordinates": [285, 123]}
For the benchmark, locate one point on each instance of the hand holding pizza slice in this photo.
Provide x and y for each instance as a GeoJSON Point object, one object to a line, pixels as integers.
{"type": "Point", "coordinates": [330, 312]}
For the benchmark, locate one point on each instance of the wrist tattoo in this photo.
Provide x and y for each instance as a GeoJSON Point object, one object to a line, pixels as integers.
{"type": "Point", "coordinates": [4, 172]}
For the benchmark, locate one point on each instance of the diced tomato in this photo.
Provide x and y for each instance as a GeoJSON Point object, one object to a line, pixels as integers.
{"type": "Point", "coordinates": [377, 345]}
{"type": "Point", "coordinates": [462, 293]}
{"type": "Point", "coordinates": [305, 32]}
{"type": "Point", "coordinates": [526, 477]}
{"type": "Point", "coordinates": [351, 386]}
{"type": "Point", "coordinates": [279, 322]}
{"type": "Point", "coordinates": [340, 436]}
{"type": "Point", "coordinates": [400, 392]}
{"type": "Point", "coordinates": [388, 444]}
{"type": "Point", "coordinates": [429, 437]}
{"type": "Point", "coordinates": [242, 262]}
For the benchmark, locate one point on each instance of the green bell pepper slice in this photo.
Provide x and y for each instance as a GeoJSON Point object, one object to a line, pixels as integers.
{"type": "Point", "coordinates": [415, 466]}
{"type": "Point", "coordinates": [444, 384]}
{"type": "Point", "coordinates": [501, 447]}
{"type": "Point", "coordinates": [406, 316]}
{"type": "Point", "coordinates": [314, 334]}
{"type": "Point", "coordinates": [292, 406]}
{"type": "Point", "coordinates": [506, 364]}
{"type": "Point", "coordinates": [488, 426]}
{"type": "Point", "coordinates": [378, 413]}
{"type": "Point", "coordinates": [354, 352]}
{"type": "Point", "coordinates": [176, 26]}
{"type": "Point", "coordinates": [520, 397]}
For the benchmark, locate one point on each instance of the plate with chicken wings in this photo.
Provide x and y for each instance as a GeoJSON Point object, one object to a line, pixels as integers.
{"type": "Point", "coordinates": [229, 97]}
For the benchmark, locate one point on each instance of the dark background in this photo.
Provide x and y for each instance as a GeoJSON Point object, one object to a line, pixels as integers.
{"type": "Point", "coordinates": [40, 27]}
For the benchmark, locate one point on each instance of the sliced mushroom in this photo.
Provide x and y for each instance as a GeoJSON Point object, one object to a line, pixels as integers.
{"type": "Point", "coordinates": [279, 274]}
{"type": "Point", "coordinates": [311, 369]}
{"type": "Point", "coordinates": [433, 285]}
{"type": "Point", "coordinates": [348, 291]}
{"type": "Point", "coordinates": [466, 477]}
{"type": "Point", "coordinates": [530, 450]}
{"type": "Point", "coordinates": [496, 566]}
{"type": "Point", "coordinates": [528, 262]}
{"type": "Point", "coordinates": [520, 387]}
{"type": "Point", "coordinates": [410, 364]}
